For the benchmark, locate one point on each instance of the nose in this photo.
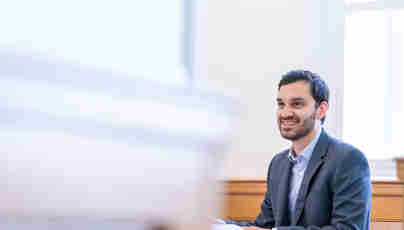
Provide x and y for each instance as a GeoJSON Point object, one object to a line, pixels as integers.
{"type": "Point", "coordinates": [286, 113]}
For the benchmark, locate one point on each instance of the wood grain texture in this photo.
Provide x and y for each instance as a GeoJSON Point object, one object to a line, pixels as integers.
{"type": "Point", "coordinates": [243, 199]}
{"type": "Point", "coordinates": [386, 226]}
{"type": "Point", "coordinates": [400, 167]}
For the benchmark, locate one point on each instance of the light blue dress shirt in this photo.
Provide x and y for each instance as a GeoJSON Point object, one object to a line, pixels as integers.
{"type": "Point", "coordinates": [300, 163]}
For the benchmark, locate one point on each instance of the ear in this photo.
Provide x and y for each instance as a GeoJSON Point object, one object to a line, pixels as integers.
{"type": "Point", "coordinates": [322, 110]}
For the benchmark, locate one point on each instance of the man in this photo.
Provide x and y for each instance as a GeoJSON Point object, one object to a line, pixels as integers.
{"type": "Point", "coordinates": [320, 182]}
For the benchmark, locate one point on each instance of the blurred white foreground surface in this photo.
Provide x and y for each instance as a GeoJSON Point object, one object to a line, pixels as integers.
{"type": "Point", "coordinates": [82, 148]}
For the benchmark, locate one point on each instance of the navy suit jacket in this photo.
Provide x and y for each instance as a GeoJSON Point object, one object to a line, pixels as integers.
{"type": "Point", "coordinates": [335, 193]}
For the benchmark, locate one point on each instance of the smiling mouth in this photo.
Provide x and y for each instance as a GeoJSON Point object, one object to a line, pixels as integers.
{"type": "Point", "coordinates": [289, 124]}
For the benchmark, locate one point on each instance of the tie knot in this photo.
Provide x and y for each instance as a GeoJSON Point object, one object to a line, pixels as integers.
{"type": "Point", "coordinates": [292, 160]}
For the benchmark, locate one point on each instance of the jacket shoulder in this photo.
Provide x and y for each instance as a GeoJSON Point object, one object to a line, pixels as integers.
{"type": "Point", "coordinates": [280, 155]}
{"type": "Point", "coordinates": [343, 151]}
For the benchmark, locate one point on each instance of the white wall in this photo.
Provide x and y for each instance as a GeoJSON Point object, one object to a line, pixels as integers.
{"type": "Point", "coordinates": [247, 45]}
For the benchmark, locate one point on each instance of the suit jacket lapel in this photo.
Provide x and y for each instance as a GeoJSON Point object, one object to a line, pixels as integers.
{"type": "Point", "coordinates": [283, 198]}
{"type": "Point", "coordinates": [317, 159]}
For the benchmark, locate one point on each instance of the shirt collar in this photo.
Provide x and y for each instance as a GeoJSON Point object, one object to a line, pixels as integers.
{"type": "Point", "coordinates": [307, 152]}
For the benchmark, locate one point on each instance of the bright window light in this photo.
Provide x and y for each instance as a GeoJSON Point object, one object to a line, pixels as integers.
{"type": "Point", "coordinates": [374, 49]}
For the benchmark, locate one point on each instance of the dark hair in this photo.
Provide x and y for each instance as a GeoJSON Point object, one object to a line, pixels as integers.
{"type": "Point", "coordinates": [319, 89]}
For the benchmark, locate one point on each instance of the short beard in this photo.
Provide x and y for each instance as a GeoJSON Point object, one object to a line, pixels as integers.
{"type": "Point", "coordinates": [308, 126]}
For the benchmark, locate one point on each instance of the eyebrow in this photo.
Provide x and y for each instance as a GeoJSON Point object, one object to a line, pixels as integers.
{"type": "Point", "coordinates": [293, 99]}
{"type": "Point", "coordinates": [297, 99]}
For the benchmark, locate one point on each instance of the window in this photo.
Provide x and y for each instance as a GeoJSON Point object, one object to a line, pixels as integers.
{"type": "Point", "coordinates": [373, 83]}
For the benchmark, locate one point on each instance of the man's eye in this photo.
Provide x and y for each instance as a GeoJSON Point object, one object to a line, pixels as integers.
{"type": "Point", "coordinates": [298, 104]}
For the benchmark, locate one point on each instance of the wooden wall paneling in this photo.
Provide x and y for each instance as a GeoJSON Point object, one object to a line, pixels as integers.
{"type": "Point", "coordinates": [386, 226]}
{"type": "Point", "coordinates": [243, 199]}
{"type": "Point", "coordinates": [387, 201]}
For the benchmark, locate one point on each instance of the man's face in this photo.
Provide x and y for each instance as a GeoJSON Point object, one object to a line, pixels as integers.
{"type": "Point", "coordinates": [296, 111]}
